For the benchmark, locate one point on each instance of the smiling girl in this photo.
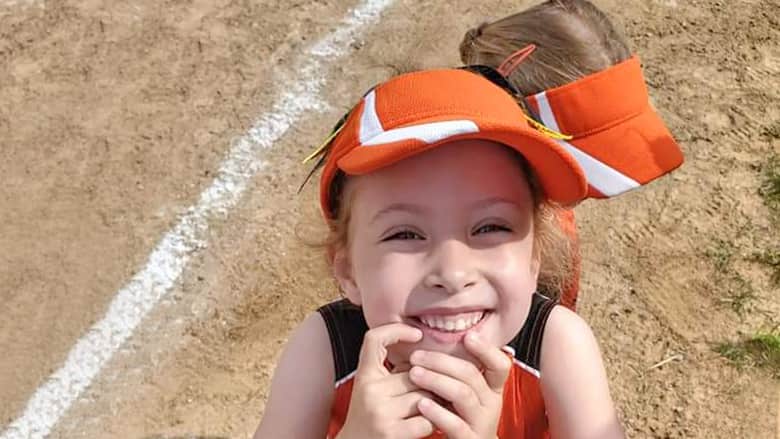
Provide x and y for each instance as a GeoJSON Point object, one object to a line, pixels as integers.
{"type": "Point", "coordinates": [448, 197]}
{"type": "Point", "coordinates": [441, 198]}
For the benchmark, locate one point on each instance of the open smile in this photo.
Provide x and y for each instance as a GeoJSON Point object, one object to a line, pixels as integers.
{"type": "Point", "coordinates": [450, 328]}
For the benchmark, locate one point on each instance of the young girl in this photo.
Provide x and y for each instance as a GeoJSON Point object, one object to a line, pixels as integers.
{"type": "Point", "coordinates": [441, 202]}
{"type": "Point", "coordinates": [441, 197]}
{"type": "Point", "coordinates": [556, 44]}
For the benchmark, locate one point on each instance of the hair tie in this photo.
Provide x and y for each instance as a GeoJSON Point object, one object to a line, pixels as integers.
{"type": "Point", "coordinates": [514, 60]}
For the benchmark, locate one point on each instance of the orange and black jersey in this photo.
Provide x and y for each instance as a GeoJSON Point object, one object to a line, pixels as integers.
{"type": "Point", "coordinates": [523, 414]}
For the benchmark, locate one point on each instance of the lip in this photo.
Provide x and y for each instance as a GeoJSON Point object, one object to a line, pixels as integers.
{"type": "Point", "coordinates": [448, 337]}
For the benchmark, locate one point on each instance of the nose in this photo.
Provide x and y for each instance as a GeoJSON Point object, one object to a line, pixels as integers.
{"type": "Point", "coordinates": [453, 267]}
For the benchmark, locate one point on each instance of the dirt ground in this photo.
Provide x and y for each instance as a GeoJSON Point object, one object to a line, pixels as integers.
{"type": "Point", "coordinates": [115, 115]}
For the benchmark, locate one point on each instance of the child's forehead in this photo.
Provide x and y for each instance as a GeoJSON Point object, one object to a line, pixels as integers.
{"type": "Point", "coordinates": [463, 174]}
{"type": "Point", "coordinates": [464, 158]}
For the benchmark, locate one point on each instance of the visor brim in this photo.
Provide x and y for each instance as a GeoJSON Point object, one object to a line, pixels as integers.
{"type": "Point", "coordinates": [559, 175]}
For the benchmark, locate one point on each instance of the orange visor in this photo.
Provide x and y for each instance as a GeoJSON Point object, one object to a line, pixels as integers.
{"type": "Point", "coordinates": [618, 140]}
{"type": "Point", "coordinates": [418, 111]}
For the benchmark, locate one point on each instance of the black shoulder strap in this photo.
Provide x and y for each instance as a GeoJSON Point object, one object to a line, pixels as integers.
{"type": "Point", "coordinates": [528, 342]}
{"type": "Point", "coordinates": [346, 328]}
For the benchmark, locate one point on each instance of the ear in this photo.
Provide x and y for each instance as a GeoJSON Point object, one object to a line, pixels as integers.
{"type": "Point", "coordinates": [342, 271]}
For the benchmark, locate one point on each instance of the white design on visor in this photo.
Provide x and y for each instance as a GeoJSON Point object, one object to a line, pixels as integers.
{"type": "Point", "coordinates": [370, 125]}
{"type": "Point", "coordinates": [605, 179]}
{"type": "Point", "coordinates": [372, 133]}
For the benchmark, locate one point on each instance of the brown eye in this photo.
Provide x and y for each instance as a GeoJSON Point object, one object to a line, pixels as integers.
{"type": "Point", "coordinates": [403, 236]}
{"type": "Point", "coordinates": [489, 228]}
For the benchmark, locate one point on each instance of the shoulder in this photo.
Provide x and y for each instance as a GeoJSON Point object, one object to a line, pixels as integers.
{"type": "Point", "coordinates": [573, 380]}
{"type": "Point", "coordinates": [570, 354]}
{"type": "Point", "coordinates": [302, 386]}
{"type": "Point", "coordinates": [569, 348]}
{"type": "Point", "coordinates": [308, 341]}
{"type": "Point", "coordinates": [569, 335]}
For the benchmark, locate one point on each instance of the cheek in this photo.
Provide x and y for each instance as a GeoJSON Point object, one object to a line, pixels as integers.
{"type": "Point", "coordinates": [513, 262]}
{"type": "Point", "coordinates": [511, 274]}
{"type": "Point", "coordinates": [385, 282]}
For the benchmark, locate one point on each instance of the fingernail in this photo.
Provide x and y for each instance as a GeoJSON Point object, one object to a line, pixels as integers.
{"type": "Point", "coordinates": [417, 356]}
{"type": "Point", "coordinates": [473, 337]}
{"type": "Point", "coordinates": [417, 372]}
{"type": "Point", "coordinates": [425, 402]}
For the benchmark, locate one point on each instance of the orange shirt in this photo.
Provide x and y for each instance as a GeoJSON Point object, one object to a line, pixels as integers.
{"type": "Point", "coordinates": [523, 413]}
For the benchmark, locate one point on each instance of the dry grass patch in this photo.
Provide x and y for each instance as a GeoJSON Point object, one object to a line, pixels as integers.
{"type": "Point", "coordinates": [761, 350]}
{"type": "Point", "coordinates": [770, 186]}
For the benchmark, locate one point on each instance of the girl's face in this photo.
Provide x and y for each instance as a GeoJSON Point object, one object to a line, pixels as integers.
{"type": "Point", "coordinates": [443, 241]}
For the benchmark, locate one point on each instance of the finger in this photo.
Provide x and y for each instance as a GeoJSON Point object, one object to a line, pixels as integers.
{"type": "Point", "coordinates": [449, 423]}
{"type": "Point", "coordinates": [405, 406]}
{"type": "Point", "coordinates": [417, 426]}
{"type": "Point", "coordinates": [401, 367]}
{"type": "Point", "coordinates": [495, 361]}
{"type": "Point", "coordinates": [454, 367]}
{"type": "Point", "coordinates": [461, 395]}
{"type": "Point", "coordinates": [396, 384]}
{"type": "Point", "coordinates": [374, 350]}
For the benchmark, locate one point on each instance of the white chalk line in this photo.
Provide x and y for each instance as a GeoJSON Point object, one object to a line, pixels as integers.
{"type": "Point", "coordinates": [169, 259]}
{"type": "Point", "coordinates": [12, 3]}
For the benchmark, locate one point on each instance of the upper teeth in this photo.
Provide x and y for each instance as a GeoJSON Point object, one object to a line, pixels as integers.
{"type": "Point", "coordinates": [459, 322]}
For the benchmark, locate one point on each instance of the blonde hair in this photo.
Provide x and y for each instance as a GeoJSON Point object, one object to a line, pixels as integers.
{"type": "Point", "coordinates": [551, 245]}
{"type": "Point", "coordinates": [573, 39]}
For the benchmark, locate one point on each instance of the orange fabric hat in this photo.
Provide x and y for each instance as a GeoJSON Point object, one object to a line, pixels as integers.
{"type": "Point", "coordinates": [617, 139]}
{"type": "Point", "coordinates": [418, 111]}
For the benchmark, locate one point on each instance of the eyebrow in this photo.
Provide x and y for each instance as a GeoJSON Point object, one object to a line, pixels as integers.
{"type": "Point", "coordinates": [418, 209]}
{"type": "Point", "coordinates": [399, 207]}
{"type": "Point", "coordinates": [487, 202]}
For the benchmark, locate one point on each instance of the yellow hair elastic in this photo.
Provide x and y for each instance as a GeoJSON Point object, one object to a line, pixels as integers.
{"type": "Point", "coordinates": [324, 144]}
{"type": "Point", "coordinates": [547, 131]}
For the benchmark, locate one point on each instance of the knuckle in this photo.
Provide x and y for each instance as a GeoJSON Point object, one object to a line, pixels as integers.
{"type": "Point", "coordinates": [464, 393]}
{"type": "Point", "coordinates": [472, 372]}
{"type": "Point", "coordinates": [370, 338]}
{"type": "Point", "coordinates": [504, 364]}
{"type": "Point", "coordinates": [423, 428]}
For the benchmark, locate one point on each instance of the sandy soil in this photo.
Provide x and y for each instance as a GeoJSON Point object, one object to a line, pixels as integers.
{"type": "Point", "coordinates": [114, 116]}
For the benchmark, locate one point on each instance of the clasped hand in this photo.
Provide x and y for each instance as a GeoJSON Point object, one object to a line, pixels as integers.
{"type": "Point", "coordinates": [408, 403]}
